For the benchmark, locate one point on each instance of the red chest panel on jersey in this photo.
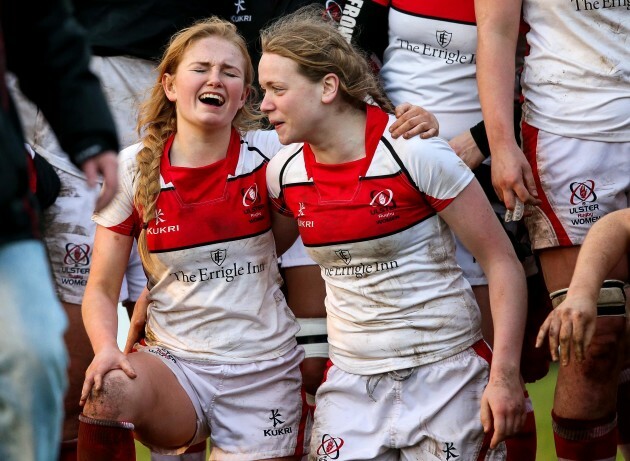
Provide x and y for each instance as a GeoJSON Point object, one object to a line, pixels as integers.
{"type": "Point", "coordinates": [380, 207]}
{"type": "Point", "coordinates": [223, 211]}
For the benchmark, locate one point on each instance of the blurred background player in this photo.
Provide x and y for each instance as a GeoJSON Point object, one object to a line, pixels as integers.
{"type": "Point", "coordinates": [34, 359]}
{"type": "Point", "coordinates": [572, 171]}
{"type": "Point", "coordinates": [68, 230]}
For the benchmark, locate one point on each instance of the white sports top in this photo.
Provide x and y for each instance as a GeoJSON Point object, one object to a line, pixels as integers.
{"type": "Point", "coordinates": [431, 60]}
{"type": "Point", "coordinates": [396, 297]}
{"type": "Point", "coordinates": [218, 296]}
{"type": "Point", "coordinates": [576, 80]}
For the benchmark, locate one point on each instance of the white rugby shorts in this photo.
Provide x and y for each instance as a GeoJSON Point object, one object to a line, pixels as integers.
{"type": "Point", "coordinates": [578, 182]}
{"type": "Point", "coordinates": [431, 412]}
{"type": "Point", "coordinates": [250, 411]}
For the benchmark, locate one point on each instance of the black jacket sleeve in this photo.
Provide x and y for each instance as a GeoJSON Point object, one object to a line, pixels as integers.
{"type": "Point", "coordinates": [46, 48]}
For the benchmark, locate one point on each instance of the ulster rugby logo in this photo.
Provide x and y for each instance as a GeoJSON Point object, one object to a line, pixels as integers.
{"type": "Point", "coordinates": [329, 448]}
{"type": "Point", "coordinates": [383, 206]}
{"type": "Point", "coordinates": [333, 10]}
{"type": "Point", "coordinates": [382, 198]}
{"type": "Point", "coordinates": [77, 255]}
{"type": "Point", "coordinates": [585, 209]}
{"type": "Point", "coordinates": [250, 195]}
{"type": "Point", "coordinates": [582, 192]}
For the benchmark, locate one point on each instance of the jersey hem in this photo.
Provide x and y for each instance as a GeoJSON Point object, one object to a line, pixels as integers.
{"type": "Point", "coordinates": [388, 365]}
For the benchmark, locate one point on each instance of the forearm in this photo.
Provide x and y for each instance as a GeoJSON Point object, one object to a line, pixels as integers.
{"type": "Point", "coordinates": [473, 221]}
{"type": "Point", "coordinates": [100, 317]}
{"type": "Point", "coordinates": [100, 301]}
{"type": "Point", "coordinates": [285, 231]}
{"type": "Point", "coordinates": [605, 244]}
{"type": "Point", "coordinates": [508, 304]}
{"type": "Point", "coordinates": [497, 26]}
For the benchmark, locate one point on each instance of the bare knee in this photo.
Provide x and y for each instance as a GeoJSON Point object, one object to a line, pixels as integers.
{"type": "Point", "coordinates": [605, 353]}
{"type": "Point", "coordinates": [112, 401]}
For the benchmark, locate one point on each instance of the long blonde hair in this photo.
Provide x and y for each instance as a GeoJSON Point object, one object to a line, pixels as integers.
{"type": "Point", "coordinates": [157, 119]}
{"type": "Point", "coordinates": [314, 43]}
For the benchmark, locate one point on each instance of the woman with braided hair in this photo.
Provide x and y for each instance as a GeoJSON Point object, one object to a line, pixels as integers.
{"type": "Point", "coordinates": [220, 336]}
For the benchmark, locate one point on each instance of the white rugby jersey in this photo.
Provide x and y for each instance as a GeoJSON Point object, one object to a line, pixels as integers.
{"type": "Point", "coordinates": [218, 297]}
{"type": "Point", "coordinates": [431, 60]}
{"type": "Point", "coordinates": [396, 297]}
{"type": "Point", "coordinates": [576, 80]}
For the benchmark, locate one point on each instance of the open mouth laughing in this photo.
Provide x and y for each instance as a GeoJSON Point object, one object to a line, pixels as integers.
{"type": "Point", "coordinates": [212, 99]}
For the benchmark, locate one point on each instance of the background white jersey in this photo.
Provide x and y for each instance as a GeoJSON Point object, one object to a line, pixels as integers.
{"type": "Point", "coordinates": [396, 297]}
{"type": "Point", "coordinates": [431, 60]}
{"type": "Point", "coordinates": [127, 81]}
{"type": "Point", "coordinates": [218, 295]}
{"type": "Point", "coordinates": [576, 80]}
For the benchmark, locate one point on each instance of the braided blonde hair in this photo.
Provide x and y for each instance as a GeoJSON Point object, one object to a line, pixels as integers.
{"type": "Point", "coordinates": [157, 120]}
{"type": "Point", "coordinates": [316, 46]}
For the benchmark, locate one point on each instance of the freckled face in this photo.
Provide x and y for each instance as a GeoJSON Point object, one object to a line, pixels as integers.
{"type": "Point", "coordinates": [208, 86]}
{"type": "Point", "coordinates": [291, 102]}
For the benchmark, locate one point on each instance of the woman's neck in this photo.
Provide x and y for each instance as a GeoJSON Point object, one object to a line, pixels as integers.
{"type": "Point", "coordinates": [195, 148]}
{"type": "Point", "coordinates": [340, 138]}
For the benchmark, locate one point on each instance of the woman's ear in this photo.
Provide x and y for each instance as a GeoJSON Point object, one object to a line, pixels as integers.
{"type": "Point", "coordinates": [246, 91]}
{"type": "Point", "coordinates": [330, 86]}
{"type": "Point", "coordinates": [169, 87]}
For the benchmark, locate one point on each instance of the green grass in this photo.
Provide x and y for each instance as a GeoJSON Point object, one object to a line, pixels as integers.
{"type": "Point", "coordinates": [142, 453]}
{"type": "Point", "coordinates": [541, 393]}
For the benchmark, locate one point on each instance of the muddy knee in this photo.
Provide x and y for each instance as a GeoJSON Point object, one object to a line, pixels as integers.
{"type": "Point", "coordinates": [112, 400]}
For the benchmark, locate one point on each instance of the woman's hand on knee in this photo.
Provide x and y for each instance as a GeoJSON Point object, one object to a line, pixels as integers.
{"type": "Point", "coordinates": [106, 360]}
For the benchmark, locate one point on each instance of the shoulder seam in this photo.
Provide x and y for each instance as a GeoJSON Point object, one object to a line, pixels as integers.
{"type": "Point", "coordinates": [400, 163]}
